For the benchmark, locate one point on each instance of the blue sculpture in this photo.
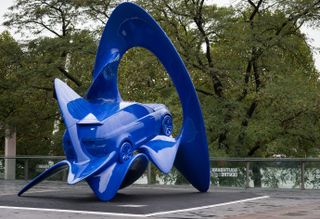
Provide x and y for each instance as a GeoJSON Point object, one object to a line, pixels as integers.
{"type": "Point", "coordinates": [108, 142]}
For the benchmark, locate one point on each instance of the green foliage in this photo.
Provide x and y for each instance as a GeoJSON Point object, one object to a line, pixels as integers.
{"type": "Point", "coordinates": [142, 78]}
{"type": "Point", "coordinates": [250, 64]}
{"type": "Point", "coordinates": [258, 69]}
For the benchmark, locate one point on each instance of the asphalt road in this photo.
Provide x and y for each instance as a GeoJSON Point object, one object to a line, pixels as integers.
{"type": "Point", "coordinates": [58, 200]}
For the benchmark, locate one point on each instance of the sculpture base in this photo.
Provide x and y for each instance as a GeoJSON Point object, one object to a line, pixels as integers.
{"type": "Point", "coordinates": [135, 200]}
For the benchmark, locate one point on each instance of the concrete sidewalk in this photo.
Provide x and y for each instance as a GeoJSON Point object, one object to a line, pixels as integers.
{"type": "Point", "coordinates": [58, 200]}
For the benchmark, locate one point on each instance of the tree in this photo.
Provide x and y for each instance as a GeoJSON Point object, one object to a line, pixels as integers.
{"type": "Point", "coordinates": [67, 53]}
{"type": "Point", "coordinates": [250, 64]}
{"type": "Point", "coordinates": [41, 68]}
{"type": "Point", "coordinates": [243, 51]}
{"type": "Point", "coordinates": [56, 17]}
{"type": "Point", "coordinates": [19, 105]}
{"type": "Point", "coordinates": [98, 10]}
{"type": "Point", "coordinates": [11, 55]}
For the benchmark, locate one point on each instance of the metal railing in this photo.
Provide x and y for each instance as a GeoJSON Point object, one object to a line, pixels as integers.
{"type": "Point", "coordinates": [24, 165]}
{"type": "Point", "coordinates": [296, 167]}
{"type": "Point", "coordinates": [303, 173]}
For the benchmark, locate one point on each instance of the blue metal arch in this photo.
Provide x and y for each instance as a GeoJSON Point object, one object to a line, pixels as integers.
{"type": "Point", "coordinates": [130, 26]}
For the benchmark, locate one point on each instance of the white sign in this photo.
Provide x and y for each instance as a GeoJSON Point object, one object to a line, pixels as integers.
{"type": "Point", "coordinates": [225, 172]}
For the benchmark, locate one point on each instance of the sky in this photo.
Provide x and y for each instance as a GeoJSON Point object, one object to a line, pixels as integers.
{"type": "Point", "coordinates": [313, 35]}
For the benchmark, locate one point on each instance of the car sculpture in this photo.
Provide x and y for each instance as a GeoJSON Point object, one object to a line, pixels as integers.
{"type": "Point", "coordinates": [108, 142]}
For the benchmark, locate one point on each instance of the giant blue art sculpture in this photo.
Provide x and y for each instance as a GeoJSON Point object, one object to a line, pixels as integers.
{"type": "Point", "coordinates": [108, 142]}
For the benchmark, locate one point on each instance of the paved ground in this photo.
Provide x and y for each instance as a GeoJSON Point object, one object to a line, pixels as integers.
{"type": "Point", "coordinates": [58, 200]}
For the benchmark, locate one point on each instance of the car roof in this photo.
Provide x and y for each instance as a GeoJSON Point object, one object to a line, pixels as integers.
{"type": "Point", "coordinates": [95, 113]}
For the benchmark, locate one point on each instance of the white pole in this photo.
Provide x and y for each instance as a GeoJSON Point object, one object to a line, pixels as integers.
{"type": "Point", "coordinates": [10, 151]}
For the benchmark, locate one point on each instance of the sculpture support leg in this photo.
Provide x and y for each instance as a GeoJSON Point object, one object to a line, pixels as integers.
{"type": "Point", "coordinates": [47, 173]}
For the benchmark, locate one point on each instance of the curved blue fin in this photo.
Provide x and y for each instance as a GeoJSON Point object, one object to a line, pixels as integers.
{"type": "Point", "coordinates": [47, 173]}
{"type": "Point", "coordinates": [161, 150]}
{"type": "Point", "coordinates": [75, 111]}
{"type": "Point", "coordinates": [104, 85]}
{"type": "Point", "coordinates": [65, 95]}
{"type": "Point", "coordinates": [106, 183]}
{"type": "Point", "coordinates": [192, 158]}
{"type": "Point", "coordinates": [80, 171]}
{"type": "Point", "coordinates": [136, 170]}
